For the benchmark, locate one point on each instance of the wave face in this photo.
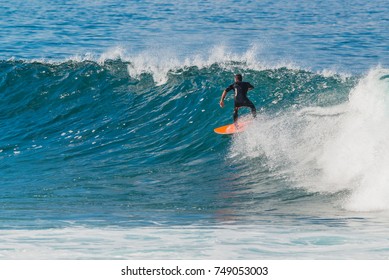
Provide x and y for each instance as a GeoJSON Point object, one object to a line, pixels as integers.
{"type": "Point", "coordinates": [107, 113]}
{"type": "Point", "coordinates": [119, 142]}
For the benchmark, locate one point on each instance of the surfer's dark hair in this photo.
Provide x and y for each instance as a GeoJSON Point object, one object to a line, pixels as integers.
{"type": "Point", "coordinates": [239, 77]}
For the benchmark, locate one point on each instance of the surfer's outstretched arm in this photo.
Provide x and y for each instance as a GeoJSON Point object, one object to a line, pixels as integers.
{"type": "Point", "coordinates": [222, 98]}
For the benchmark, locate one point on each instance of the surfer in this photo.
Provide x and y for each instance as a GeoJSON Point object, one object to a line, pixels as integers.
{"type": "Point", "coordinates": [240, 97]}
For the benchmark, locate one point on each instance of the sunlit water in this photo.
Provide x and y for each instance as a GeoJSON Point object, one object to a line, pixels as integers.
{"type": "Point", "coordinates": [107, 149]}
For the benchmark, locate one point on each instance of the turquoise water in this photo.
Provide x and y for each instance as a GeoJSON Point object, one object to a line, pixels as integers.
{"type": "Point", "coordinates": [107, 147]}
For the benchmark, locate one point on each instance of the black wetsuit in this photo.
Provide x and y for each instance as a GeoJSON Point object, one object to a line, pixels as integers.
{"type": "Point", "coordinates": [240, 97]}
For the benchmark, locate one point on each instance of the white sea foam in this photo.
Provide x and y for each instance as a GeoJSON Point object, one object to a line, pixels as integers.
{"type": "Point", "coordinates": [191, 242]}
{"type": "Point", "coordinates": [358, 155]}
{"type": "Point", "coordinates": [159, 63]}
{"type": "Point", "coordinates": [345, 147]}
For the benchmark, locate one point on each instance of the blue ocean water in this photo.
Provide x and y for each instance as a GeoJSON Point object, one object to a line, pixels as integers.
{"type": "Point", "coordinates": [107, 147]}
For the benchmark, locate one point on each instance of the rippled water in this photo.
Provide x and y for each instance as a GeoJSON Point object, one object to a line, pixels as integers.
{"type": "Point", "coordinates": [107, 117]}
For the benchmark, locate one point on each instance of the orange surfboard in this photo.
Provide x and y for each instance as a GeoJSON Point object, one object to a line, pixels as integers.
{"type": "Point", "coordinates": [232, 128]}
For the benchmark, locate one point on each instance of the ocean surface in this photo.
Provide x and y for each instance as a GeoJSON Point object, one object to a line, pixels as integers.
{"type": "Point", "coordinates": [107, 111]}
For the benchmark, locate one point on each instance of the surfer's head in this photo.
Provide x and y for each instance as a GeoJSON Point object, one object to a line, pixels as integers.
{"type": "Point", "coordinates": [238, 78]}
